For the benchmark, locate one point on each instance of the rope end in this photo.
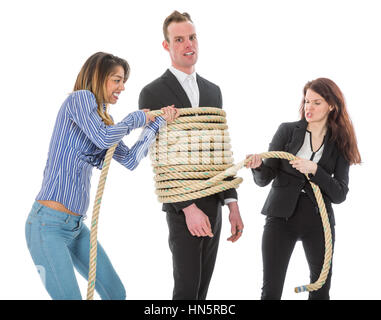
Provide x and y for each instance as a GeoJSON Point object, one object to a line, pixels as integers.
{"type": "Point", "coordinates": [301, 289]}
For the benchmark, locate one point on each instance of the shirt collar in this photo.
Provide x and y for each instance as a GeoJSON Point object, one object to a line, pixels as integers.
{"type": "Point", "coordinates": [181, 76]}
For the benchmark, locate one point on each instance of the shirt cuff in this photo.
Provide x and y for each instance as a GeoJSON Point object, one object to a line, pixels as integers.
{"type": "Point", "coordinates": [135, 120]}
{"type": "Point", "coordinates": [228, 200]}
{"type": "Point", "coordinates": [141, 117]}
{"type": "Point", "coordinates": [157, 124]}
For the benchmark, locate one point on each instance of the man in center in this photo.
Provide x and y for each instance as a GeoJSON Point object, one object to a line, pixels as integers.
{"type": "Point", "coordinates": [194, 225]}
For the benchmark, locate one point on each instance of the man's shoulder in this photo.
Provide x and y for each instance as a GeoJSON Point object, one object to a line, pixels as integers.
{"type": "Point", "coordinates": [206, 82]}
{"type": "Point", "coordinates": [154, 84]}
{"type": "Point", "coordinates": [158, 82]}
{"type": "Point", "coordinates": [157, 93]}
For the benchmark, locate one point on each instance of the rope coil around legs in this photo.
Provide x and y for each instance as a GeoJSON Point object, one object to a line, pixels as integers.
{"type": "Point", "coordinates": [186, 169]}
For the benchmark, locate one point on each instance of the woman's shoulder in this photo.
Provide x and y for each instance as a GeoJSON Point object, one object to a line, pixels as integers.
{"type": "Point", "coordinates": [294, 124]}
{"type": "Point", "coordinates": [82, 94]}
{"type": "Point", "coordinates": [80, 101]}
{"type": "Point", "coordinates": [286, 129]}
{"type": "Point", "coordinates": [82, 98]}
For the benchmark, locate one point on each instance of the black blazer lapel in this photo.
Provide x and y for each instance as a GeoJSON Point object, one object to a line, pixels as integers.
{"type": "Point", "coordinates": [175, 87]}
{"type": "Point", "coordinates": [327, 151]}
{"type": "Point", "coordinates": [297, 138]}
{"type": "Point", "coordinates": [203, 91]}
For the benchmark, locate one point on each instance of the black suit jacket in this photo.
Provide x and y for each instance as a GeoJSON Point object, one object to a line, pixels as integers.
{"type": "Point", "coordinates": [165, 91]}
{"type": "Point", "coordinates": [331, 175]}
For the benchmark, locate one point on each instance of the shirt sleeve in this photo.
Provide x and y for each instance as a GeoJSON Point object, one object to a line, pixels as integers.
{"type": "Point", "coordinates": [83, 110]}
{"type": "Point", "coordinates": [229, 200]}
{"type": "Point", "coordinates": [130, 158]}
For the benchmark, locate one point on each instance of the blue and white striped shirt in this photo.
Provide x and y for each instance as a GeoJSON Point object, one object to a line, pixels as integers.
{"type": "Point", "coordinates": [80, 141]}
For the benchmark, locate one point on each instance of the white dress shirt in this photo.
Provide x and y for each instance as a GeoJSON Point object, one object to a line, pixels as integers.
{"type": "Point", "coordinates": [189, 84]}
{"type": "Point", "coordinates": [306, 151]}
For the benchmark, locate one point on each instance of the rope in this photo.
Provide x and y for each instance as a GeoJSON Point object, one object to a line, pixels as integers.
{"type": "Point", "coordinates": [94, 223]}
{"type": "Point", "coordinates": [189, 159]}
{"type": "Point", "coordinates": [186, 169]}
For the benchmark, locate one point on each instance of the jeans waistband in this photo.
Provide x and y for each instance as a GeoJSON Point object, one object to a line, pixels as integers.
{"type": "Point", "coordinates": [56, 213]}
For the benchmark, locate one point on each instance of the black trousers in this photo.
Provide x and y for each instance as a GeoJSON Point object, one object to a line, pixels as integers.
{"type": "Point", "coordinates": [279, 238]}
{"type": "Point", "coordinates": [193, 257]}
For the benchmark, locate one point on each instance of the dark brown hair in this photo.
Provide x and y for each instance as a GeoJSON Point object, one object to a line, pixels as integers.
{"type": "Point", "coordinates": [339, 122]}
{"type": "Point", "coordinates": [93, 76]}
{"type": "Point", "coordinates": [175, 16]}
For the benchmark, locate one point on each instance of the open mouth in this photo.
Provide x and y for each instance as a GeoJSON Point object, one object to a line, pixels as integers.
{"type": "Point", "coordinates": [116, 95]}
{"type": "Point", "coordinates": [191, 53]}
{"type": "Point", "coordinates": [308, 114]}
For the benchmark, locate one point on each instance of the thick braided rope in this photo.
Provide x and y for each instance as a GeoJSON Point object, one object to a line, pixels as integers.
{"type": "Point", "coordinates": [232, 171]}
{"type": "Point", "coordinates": [196, 188]}
{"type": "Point", "coordinates": [179, 124]}
{"type": "Point", "coordinates": [94, 223]}
{"type": "Point", "coordinates": [177, 179]}
{"type": "Point", "coordinates": [189, 151]}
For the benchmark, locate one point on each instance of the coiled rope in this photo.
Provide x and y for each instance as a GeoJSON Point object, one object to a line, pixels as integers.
{"type": "Point", "coordinates": [186, 169]}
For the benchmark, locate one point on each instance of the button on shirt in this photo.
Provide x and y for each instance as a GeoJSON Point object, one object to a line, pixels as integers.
{"type": "Point", "coordinates": [80, 141]}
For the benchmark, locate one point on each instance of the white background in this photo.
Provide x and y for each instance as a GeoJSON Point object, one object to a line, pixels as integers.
{"type": "Point", "coordinates": [261, 53]}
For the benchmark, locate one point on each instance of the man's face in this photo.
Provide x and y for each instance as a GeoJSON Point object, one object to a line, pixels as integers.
{"type": "Point", "coordinates": [182, 45]}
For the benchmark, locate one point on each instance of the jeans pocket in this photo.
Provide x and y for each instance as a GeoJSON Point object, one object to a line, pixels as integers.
{"type": "Point", "coordinates": [49, 220]}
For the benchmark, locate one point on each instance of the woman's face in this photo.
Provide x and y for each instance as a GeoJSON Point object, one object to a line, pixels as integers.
{"type": "Point", "coordinates": [316, 109]}
{"type": "Point", "coordinates": [115, 85]}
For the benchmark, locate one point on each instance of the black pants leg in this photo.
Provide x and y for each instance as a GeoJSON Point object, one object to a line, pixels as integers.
{"type": "Point", "coordinates": [278, 242]}
{"type": "Point", "coordinates": [314, 248]}
{"type": "Point", "coordinates": [208, 256]}
{"type": "Point", "coordinates": [193, 257]}
{"type": "Point", "coordinates": [279, 238]}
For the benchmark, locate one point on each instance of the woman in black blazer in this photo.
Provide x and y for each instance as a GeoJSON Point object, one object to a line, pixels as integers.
{"type": "Point", "coordinates": [325, 144]}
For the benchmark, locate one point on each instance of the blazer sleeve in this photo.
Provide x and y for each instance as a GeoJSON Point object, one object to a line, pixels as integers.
{"type": "Point", "coordinates": [335, 186]}
{"type": "Point", "coordinates": [268, 170]}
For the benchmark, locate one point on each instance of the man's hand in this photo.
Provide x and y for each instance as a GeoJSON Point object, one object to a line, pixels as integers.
{"type": "Point", "coordinates": [235, 221]}
{"type": "Point", "coordinates": [197, 221]}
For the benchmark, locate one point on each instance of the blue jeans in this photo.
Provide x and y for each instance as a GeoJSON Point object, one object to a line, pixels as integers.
{"type": "Point", "coordinates": [58, 242]}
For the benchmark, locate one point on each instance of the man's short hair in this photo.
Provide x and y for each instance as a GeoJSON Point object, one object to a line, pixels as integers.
{"type": "Point", "coordinates": [175, 16]}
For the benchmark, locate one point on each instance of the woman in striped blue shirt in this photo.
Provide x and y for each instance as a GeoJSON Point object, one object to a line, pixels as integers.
{"type": "Point", "coordinates": [56, 236]}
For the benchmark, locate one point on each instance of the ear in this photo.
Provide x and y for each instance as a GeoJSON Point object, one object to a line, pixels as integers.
{"type": "Point", "coordinates": [331, 108]}
{"type": "Point", "coordinates": [165, 45]}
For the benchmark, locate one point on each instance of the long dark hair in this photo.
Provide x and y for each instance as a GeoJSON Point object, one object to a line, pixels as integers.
{"type": "Point", "coordinates": [339, 122]}
{"type": "Point", "coordinates": [93, 76]}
